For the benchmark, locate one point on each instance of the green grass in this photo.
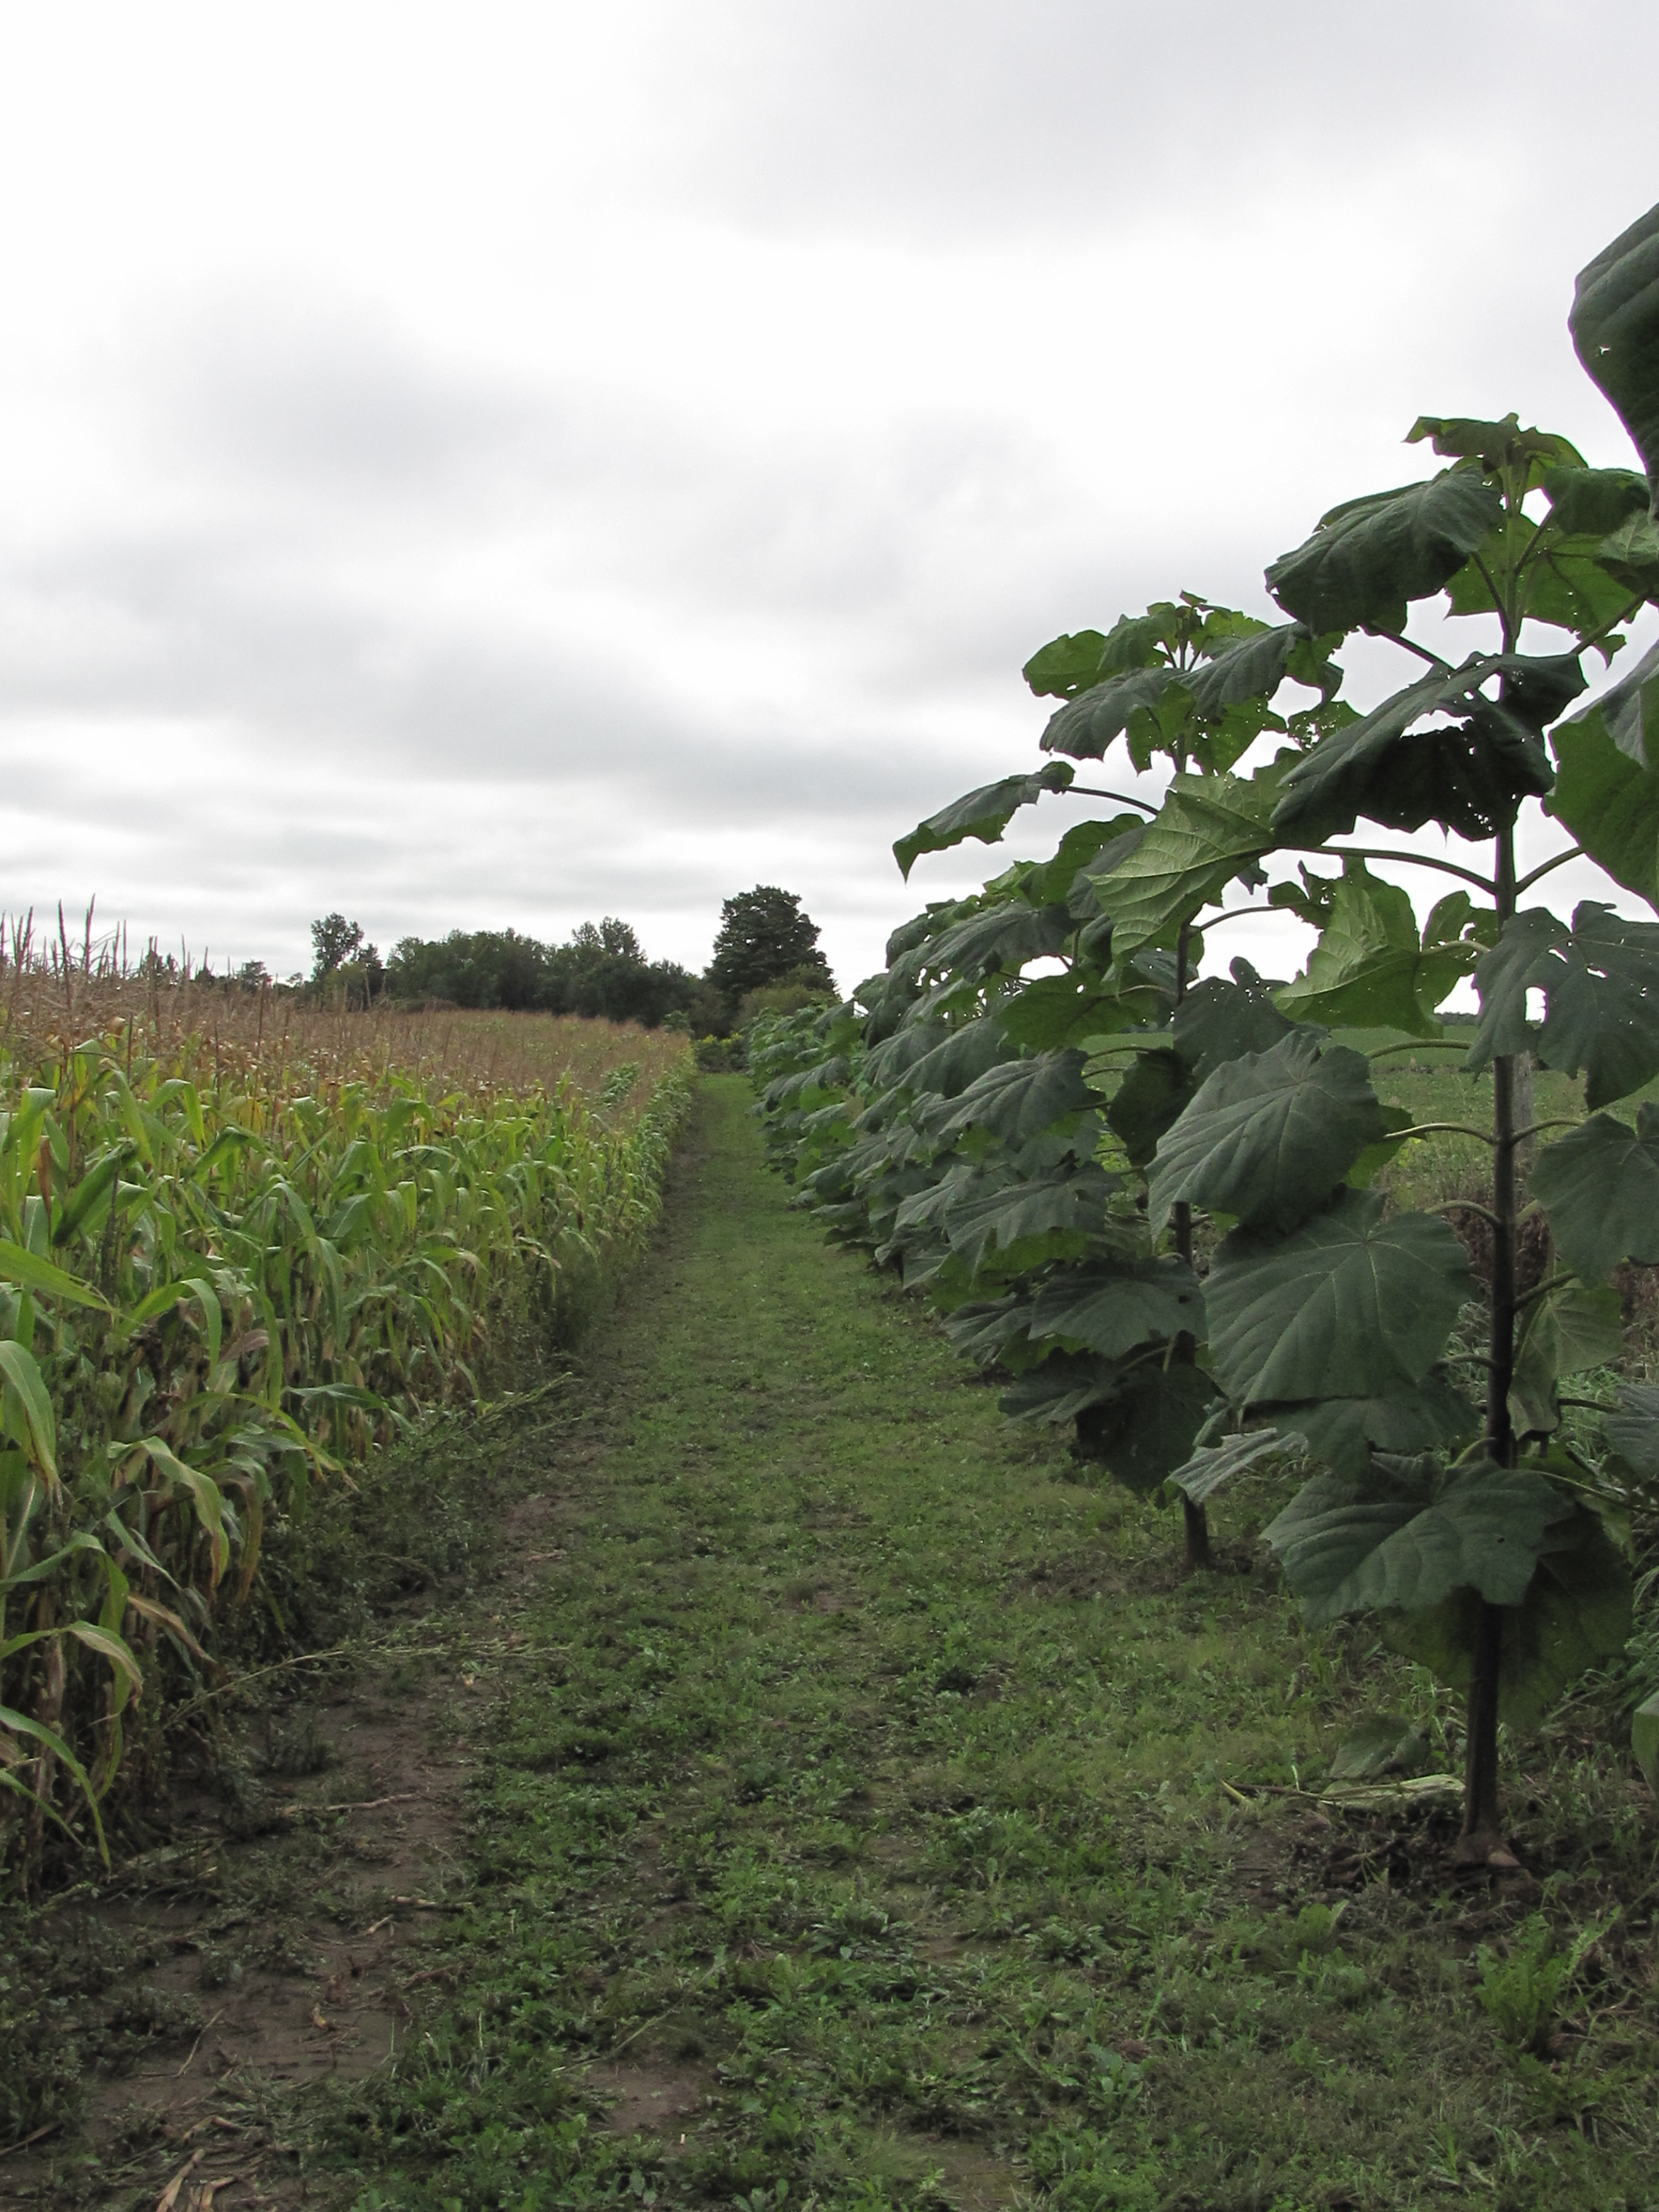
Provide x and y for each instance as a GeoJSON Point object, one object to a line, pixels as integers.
{"type": "Point", "coordinates": [878, 1788]}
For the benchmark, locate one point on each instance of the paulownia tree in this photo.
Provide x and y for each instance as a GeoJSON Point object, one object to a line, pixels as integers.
{"type": "Point", "coordinates": [1052, 1155]}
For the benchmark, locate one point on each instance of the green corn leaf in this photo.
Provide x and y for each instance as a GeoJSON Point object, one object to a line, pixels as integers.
{"type": "Point", "coordinates": [21, 1725]}
{"type": "Point", "coordinates": [1599, 1187]}
{"type": "Point", "coordinates": [49, 1281]}
{"type": "Point", "coordinates": [1369, 557]}
{"type": "Point", "coordinates": [1614, 324]}
{"type": "Point", "coordinates": [204, 1491]}
{"type": "Point", "coordinates": [1268, 1137]}
{"type": "Point", "coordinates": [1349, 1306]}
{"type": "Point", "coordinates": [25, 1389]}
{"type": "Point", "coordinates": [983, 814]}
{"type": "Point", "coordinates": [115, 1649]}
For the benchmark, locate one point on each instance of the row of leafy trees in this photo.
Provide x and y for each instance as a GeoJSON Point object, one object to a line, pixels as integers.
{"type": "Point", "coordinates": [1147, 1197]}
{"type": "Point", "coordinates": [765, 940]}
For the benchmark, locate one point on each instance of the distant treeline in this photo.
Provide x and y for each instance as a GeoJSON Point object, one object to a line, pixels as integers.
{"type": "Point", "coordinates": [601, 970]}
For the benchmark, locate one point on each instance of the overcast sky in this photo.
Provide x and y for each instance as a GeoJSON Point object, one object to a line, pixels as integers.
{"type": "Point", "coordinates": [519, 462]}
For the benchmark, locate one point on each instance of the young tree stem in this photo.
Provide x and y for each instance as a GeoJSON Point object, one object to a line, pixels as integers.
{"type": "Point", "coordinates": [1196, 1521]}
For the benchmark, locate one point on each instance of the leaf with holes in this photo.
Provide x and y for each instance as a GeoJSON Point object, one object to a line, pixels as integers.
{"type": "Point", "coordinates": [1369, 968]}
{"type": "Point", "coordinates": [1370, 556]}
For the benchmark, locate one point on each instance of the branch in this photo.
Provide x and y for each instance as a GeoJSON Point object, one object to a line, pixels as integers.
{"type": "Point", "coordinates": [1589, 644]}
{"type": "Point", "coordinates": [1491, 582]}
{"type": "Point", "coordinates": [1418, 1044]}
{"type": "Point", "coordinates": [1537, 1128]}
{"type": "Point", "coordinates": [1466, 1206]}
{"type": "Point", "coordinates": [1412, 860]}
{"type": "Point", "coordinates": [1543, 1289]}
{"type": "Point", "coordinates": [1410, 645]}
{"type": "Point", "coordinates": [1572, 852]}
{"type": "Point", "coordinates": [1093, 790]}
{"type": "Point", "coordinates": [1439, 1128]}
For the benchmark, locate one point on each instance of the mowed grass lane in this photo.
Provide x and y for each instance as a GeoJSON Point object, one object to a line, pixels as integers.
{"type": "Point", "coordinates": [871, 1817]}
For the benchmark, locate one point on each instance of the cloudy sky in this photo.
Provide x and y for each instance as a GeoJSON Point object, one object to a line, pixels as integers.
{"type": "Point", "coordinates": [517, 463]}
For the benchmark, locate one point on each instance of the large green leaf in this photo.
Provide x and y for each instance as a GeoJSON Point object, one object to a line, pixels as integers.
{"type": "Point", "coordinates": [984, 814]}
{"type": "Point", "coordinates": [1593, 503]}
{"type": "Point", "coordinates": [1632, 1432]}
{"type": "Point", "coordinates": [1344, 1432]}
{"type": "Point", "coordinates": [1000, 939]}
{"type": "Point", "coordinates": [1021, 1099]}
{"type": "Point", "coordinates": [1088, 725]}
{"type": "Point", "coordinates": [1052, 1012]}
{"type": "Point", "coordinates": [1606, 785]}
{"type": "Point", "coordinates": [1147, 1427]}
{"type": "Point", "coordinates": [1371, 555]}
{"type": "Point", "coordinates": [1218, 1021]}
{"type": "Point", "coordinates": [1614, 324]}
{"type": "Point", "coordinates": [1574, 1615]}
{"type": "Point", "coordinates": [1599, 1185]}
{"type": "Point", "coordinates": [1600, 985]}
{"type": "Point", "coordinates": [1269, 1136]}
{"type": "Point", "coordinates": [1153, 1095]}
{"type": "Point", "coordinates": [984, 1329]}
{"type": "Point", "coordinates": [1466, 776]}
{"type": "Point", "coordinates": [1110, 1307]}
{"type": "Point", "coordinates": [1207, 829]}
{"type": "Point", "coordinates": [1349, 1306]}
{"type": "Point", "coordinates": [1570, 1330]}
{"type": "Point", "coordinates": [1212, 1465]}
{"type": "Point", "coordinates": [1405, 1535]}
{"type": "Point", "coordinates": [1085, 845]}
{"type": "Point", "coordinates": [1371, 967]}
{"type": "Point", "coordinates": [1066, 665]}
{"type": "Point", "coordinates": [959, 1060]}
{"type": "Point", "coordinates": [1066, 1385]}
{"type": "Point", "coordinates": [1065, 1204]}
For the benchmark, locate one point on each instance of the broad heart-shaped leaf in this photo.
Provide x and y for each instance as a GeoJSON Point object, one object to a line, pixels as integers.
{"type": "Point", "coordinates": [960, 1058]}
{"type": "Point", "coordinates": [1151, 1097]}
{"type": "Point", "coordinates": [1110, 1306]}
{"type": "Point", "coordinates": [1146, 1429]}
{"type": "Point", "coordinates": [1059, 1389]}
{"type": "Point", "coordinates": [1593, 503]}
{"type": "Point", "coordinates": [1344, 1432]}
{"type": "Point", "coordinates": [1614, 324]}
{"type": "Point", "coordinates": [1000, 939]}
{"type": "Point", "coordinates": [1575, 1614]}
{"type": "Point", "coordinates": [1268, 1137]}
{"type": "Point", "coordinates": [1599, 1187]}
{"type": "Point", "coordinates": [1404, 1535]}
{"type": "Point", "coordinates": [983, 1329]}
{"type": "Point", "coordinates": [985, 814]}
{"type": "Point", "coordinates": [1070, 1204]}
{"type": "Point", "coordinates": [1212, 1465]}
{"type": "Point", "coordinates": [1369, 557]}
{"type": "Point", "coordinates": [1021, 1099]}
{"type": "Point", "coordinates": [1349, 1306]}
{"type": "Point", "coordinates": [1559, 576]}
{"type": "Point", "coordinates": [1087, 726]}
{"type": "Point", "coordinates": [1218, 1021]}
{"type": "Point", "coordinates": [1207, 829]}
{"type": "Point", "coordinates": [1051, 882]}
{"type": "Point", "coordinates": [1600, 985]}
{"type": "Point", "coordinates": [1067, 665]}
{"type": "Point", "coordinates": [1369, 967]}
{"type": "Point", "coordinates": [1570, 1330]}
{"type": "Point", "coordinates": [1607, 784]}
{"type": "Point", "coordinates": [1630, 555]}
{"type": "Point", "coordinates": [1465, 777]}
{"type": "Point", "coordinates": [1633, 1433]}
{"type": "Point", "coordinates": [1250, 667]}
{"type": "Point", "coordinates": [1055, 1011]}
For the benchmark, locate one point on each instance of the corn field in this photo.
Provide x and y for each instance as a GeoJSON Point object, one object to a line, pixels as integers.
{"type": "Point", "coordinates": [243, 1241]}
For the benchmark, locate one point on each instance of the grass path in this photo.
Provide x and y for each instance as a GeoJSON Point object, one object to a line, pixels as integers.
{"type": "Point", "coordinates": [863, 1815]}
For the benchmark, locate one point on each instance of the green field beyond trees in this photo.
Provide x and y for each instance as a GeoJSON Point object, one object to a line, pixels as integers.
{"type": "Point", "coordinates": [865, 1811]}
